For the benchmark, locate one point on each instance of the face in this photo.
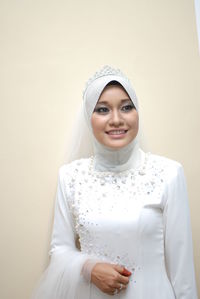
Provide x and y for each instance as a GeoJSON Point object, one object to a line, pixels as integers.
{"type": "Point", "coordinates": [115, 119]}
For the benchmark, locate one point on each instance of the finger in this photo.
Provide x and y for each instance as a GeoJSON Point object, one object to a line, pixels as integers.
{"type": "Point", "coordinates": [120, 286]}
{"type": "Point", "coordinates": [120, 277]}
{"type": "Point", "coordinates": [122, 270]}
{"type": "Point", "coordinates": [112, 291]}
{"type": "Point", "coordinates": [118, 268]}
{"type": "Point", "coordinates": [123, 279]}
{"type": "Point", "coordinates": [126, 272]}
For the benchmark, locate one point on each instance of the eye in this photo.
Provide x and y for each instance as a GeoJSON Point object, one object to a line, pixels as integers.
{"type": "Point", "coordinates": [101, 110]}
{"type": "Point", "coordinates": [127, 107]}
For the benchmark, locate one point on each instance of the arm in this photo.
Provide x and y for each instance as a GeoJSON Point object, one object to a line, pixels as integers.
{"type": "Point", "coordinates": [178, 239]}
{"type": "Point", "coordinates": [62, 278]}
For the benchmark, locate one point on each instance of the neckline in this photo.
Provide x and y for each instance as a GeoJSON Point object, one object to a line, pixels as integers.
{"type": "Point", "coordinates": [141, 169]}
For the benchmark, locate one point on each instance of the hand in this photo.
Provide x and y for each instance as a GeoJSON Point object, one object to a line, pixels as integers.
{"type": "Point", "coordinates": [110, 277]}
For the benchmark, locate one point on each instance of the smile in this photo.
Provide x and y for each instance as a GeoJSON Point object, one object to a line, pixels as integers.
{"type": "Point", "coordinates": [116, 132]}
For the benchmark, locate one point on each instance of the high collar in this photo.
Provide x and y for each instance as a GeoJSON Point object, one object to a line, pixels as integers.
{"type": "Point", "coordinates": [117, 160]}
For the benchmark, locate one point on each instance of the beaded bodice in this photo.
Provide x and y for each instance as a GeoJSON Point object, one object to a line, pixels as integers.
{"type": "Point", "coordinates": [137, 218]}
{"type": "Point", "coordinates": [106, 207]}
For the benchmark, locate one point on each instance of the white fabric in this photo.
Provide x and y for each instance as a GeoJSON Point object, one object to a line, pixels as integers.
{"type": "Point", "coordinates": [87, 268]}
{"type": "Point", "coordinates": [107, 159]}
{"type": "Point", "coordinates": [63, 275]}
{"type": "Point", "coordinates": [138, 218]}
{"type": "Point", "coordinates": [80, 144]}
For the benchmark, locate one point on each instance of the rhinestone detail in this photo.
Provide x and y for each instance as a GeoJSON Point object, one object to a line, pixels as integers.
{"type": "Point", "coordinates": [105, 71]}
{"type": "Point", "coordinates": [94, 193]}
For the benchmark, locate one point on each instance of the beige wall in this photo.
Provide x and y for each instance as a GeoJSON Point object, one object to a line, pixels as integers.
{"type": "Point", "coordinates": [48, 50]}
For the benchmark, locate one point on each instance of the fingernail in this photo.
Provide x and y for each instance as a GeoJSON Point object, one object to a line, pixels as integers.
{"type": "Point", "coordinates": [126, 272]}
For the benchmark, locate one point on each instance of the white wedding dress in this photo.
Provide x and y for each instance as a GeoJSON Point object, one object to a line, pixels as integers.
{"type": "Point", "coordinates": [138, 218]}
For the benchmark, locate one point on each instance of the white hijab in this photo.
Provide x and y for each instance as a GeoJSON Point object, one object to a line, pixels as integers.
{"type": "Point", "coordinates": [106, 159]}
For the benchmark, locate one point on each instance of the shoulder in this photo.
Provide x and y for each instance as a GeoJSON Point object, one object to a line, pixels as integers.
{"type": "Point", "coordinates": [68, 174]}
{"type": "Point", "coordinates": [73, 168]}
{"type": "Point", "coordinates": [170, 169]}
{"type": "Point", "coordinates": [164, 161]}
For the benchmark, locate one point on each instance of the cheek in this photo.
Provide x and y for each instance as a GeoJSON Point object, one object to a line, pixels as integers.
{"type": "Point", "coordinates": [97, 124]}
{"type": "Point", "coordinates": [136, 124]}
{"type": "Point", "coordinates": [134, 121]}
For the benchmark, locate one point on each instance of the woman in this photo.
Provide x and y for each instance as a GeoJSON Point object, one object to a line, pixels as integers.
{"type": "Point", "coordinates": [128, 210]}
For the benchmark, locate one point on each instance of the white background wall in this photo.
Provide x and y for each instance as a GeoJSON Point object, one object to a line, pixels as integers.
{"type": "Point", "coordinates": [48, 49]}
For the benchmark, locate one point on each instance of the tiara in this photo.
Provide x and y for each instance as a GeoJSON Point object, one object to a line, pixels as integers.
{"type": "Point", "coordinates": [105, 71]}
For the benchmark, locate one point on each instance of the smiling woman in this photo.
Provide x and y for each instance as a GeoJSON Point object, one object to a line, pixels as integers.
{"type": "Point", "coordinates": [128, 209]}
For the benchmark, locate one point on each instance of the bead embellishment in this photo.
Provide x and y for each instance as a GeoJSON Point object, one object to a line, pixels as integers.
{"type": "Point", "coordinates": [105, 71]}
{"type": "Point", "coordinates": [122, 174]}
{"type": "Point", "coordinates": [95, 196]}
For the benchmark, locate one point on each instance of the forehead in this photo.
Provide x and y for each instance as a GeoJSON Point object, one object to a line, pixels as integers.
{"type": "Point", "coordinates": [113, 92]}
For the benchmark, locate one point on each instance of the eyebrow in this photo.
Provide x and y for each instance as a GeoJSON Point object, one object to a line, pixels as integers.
{"type": "Point", "coordinates": [123, 100]}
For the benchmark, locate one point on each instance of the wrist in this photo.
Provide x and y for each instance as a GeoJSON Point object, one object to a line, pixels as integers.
{"type": "Point", "coordinates": [87, 269]}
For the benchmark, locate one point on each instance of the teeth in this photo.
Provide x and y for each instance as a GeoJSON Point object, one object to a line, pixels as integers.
{"type": "Point", "coordinates": [117, 132]}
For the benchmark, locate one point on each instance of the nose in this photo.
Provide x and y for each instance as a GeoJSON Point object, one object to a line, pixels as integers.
{"type": "Point", "coordinates": [116, 119]}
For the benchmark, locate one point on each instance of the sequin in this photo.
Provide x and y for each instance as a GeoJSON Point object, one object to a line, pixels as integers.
{"type": "Point", "coordinates": [97, 193]}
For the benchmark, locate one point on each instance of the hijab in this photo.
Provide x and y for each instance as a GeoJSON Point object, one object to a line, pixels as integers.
{"type": "Point", "coordinates": [106, 158]}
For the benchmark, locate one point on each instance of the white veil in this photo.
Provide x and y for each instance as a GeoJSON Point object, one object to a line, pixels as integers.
{"type": "Point", "coordinates": [80, 142]}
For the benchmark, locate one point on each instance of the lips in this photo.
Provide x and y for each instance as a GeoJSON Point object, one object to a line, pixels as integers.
{"type": "Point", "coordinates": [116, 132]}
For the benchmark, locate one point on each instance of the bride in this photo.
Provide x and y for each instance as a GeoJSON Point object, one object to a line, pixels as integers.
{"type": "Point", "coordinates": [121, 224]}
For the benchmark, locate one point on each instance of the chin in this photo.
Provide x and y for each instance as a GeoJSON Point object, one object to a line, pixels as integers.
{"type": "Point", "coordinates": [116, 145]}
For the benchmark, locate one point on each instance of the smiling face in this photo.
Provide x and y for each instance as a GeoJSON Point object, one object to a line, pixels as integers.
{"type": "Point", "coordinates": [115, 119]}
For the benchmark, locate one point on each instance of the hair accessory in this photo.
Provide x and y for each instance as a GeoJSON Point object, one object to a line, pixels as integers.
{"type": "Point", "coordinates": [105, 71]}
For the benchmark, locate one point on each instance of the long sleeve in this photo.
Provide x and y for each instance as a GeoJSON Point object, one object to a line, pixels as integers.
{"type": "Point", "coordinates": [63, 279]}
{"type": "Point", "coordinates": [178, 239]}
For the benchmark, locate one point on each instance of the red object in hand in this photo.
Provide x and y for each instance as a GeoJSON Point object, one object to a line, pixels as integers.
{"type": "Point", "coordinates": [126, 272]}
